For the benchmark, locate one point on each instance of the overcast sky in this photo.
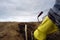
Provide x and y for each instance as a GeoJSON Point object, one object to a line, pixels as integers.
{"type": "Point", "coordinates": [23, 10]}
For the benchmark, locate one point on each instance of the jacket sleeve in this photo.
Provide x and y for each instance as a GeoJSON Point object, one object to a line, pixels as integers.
{"type": "Point", "coordinates": [54, 13]}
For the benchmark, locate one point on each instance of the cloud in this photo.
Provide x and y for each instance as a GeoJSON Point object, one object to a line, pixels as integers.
{"type": "Point", "coordinates": [20, 19]}
{"type": "Point", "coordinates": [18, 8]}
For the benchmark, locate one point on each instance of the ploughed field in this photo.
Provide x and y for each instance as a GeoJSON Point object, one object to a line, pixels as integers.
{"type": "Point", "coordinates": [16, 31]}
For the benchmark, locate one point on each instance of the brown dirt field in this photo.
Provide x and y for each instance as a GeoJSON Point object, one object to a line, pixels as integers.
{"type": "Point", "coordinates": [15, 31]}
{"type": "Point", "coordinates": [11, 30]}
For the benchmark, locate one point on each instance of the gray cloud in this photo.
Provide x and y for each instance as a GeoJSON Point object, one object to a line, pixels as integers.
{"type": "Point", "coordinates": [10, 8]}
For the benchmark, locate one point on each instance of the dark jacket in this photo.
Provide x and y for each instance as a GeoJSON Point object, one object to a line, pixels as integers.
{"type": "Point", "coordinates": [54, 13]}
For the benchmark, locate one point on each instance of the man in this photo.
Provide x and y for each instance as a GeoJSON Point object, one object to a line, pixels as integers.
{"type": "Point", "coordinates": [50, 24]}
